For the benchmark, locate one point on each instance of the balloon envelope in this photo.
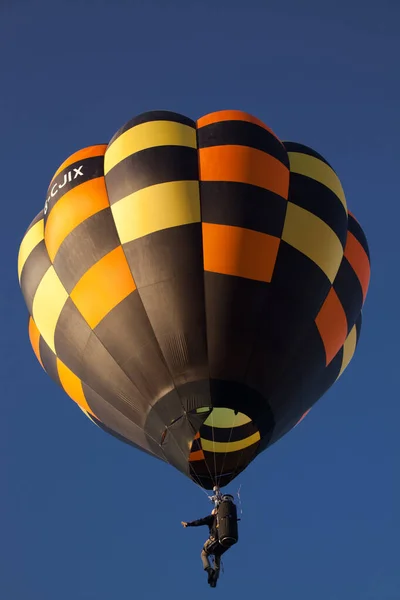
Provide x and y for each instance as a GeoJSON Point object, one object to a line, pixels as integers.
{"type": "Point", "coordinates": [195, 287]}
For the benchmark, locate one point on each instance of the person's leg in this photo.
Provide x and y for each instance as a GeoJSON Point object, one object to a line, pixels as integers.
{"type": "Point", "coordinates": [217, 564]}
{"type": "Point", "coordinates": [206, 561]}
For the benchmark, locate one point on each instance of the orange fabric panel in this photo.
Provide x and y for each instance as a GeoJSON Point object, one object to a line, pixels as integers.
{"type": "Point", "coordinates": [103, 286]}
{"type": "Point", "coordinates": [34, 337]}
{"type": "Point", "coordinates": [72, 386]}
{"type": "Point", "coordinates": [73, 208]}
{"type": "Point", "coordinates": [244, 165]}
{"type": "Point", "coordinates": [358, 259]}
{"type": "Point", "coordinates": [237, 251]}
{"type": "Point", "coordinates": [231, 115]}
{"type": "Point", "coordinates": [332, 325]}
{"type": "Point", "coordinates": [197, 455]}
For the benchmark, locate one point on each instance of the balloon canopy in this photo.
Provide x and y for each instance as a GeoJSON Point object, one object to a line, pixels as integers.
{"type": "Point", "coordinates": [195, 287]}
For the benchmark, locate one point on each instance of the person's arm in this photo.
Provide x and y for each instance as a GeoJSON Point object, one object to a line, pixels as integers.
{"type": "Point", "coordinates": [196, 523]}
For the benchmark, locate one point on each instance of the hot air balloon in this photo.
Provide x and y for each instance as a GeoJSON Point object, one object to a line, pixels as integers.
{"type": "Point", "coordinates": [195, 287]}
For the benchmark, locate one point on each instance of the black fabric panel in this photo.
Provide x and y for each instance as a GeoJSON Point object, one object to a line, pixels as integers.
{"type": "Point", "coordinates": [242, 133]}
{"type": "Point", "coordinates": [304, 285]}
{"type": "Point", "coordinates": [176, 311]}
{"type": "Point", "coordinates": [228, 434]}
{"type": "Point", "coordinates": [233, 307]}
{"type": "Point", "coordinates": [127, 335]}
{"type": "Point", "coordinates": [244, 399]}
{"type": "Point", "coordinates": [320, 201]}
{"type": "Point", "coordinates": [168, 424]}
{"type": "Point", "coordinates": [113, 422]}
{"type": "Point", "coordinates": [151, 166]}
{"type": "Point", "coordinates": [49, 361]}
{"type": "Point", "coordinates": [176, 444]}
{"type": "Point", "coordinates": [359, 327]}
{"type": "Point", "coordinates": [167, 267]}
{"type": "Point", "coordinates": [166, 254]}
{"type": "Point", "coordinates": [103, 375]}
{"type": "Point", "coordinates": [305, 381]}
{"type": "Point", "coordinates": [326, 380]}
{"type": "Point", "coordinates": [297, 291]}
{"type": "Point", "coordinates": [71, 177]}
{"type": "Point", "coordinates": [295, 390]}
{"type": "Point", "coordinates": [196, 445]}
{"type": "Point", "coordinates": [242, 205]}
{"type": "Point", "coordinates": [90, 241]}
{"type": "Point", "coordinates": [347, 287]}
{"type": "Point", "coordinates": [177, 403]}
{"type": "Point", "coordinates": [78, 347]}
{"type": "Point", "coordinates": [300, 148]}
{"type": "Point", "coordinates": [71, 335]}
{"type": "Point", "coordinates": [125, 440]}
{"type": "Point", "coordinates": [275, 363]}
{"type": "Point", "coordinates": [355, 228]}
{"type": "Point", "coordinates": [36, 265]}
{"type": "Point", "coordinates": [153, 115]}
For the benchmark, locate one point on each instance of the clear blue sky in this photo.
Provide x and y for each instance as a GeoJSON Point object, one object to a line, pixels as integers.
{"type": "Point", "coordinates": [82, 515]}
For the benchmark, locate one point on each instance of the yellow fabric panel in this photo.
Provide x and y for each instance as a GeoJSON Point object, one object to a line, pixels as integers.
{"type": "Point", "coordinates": [47, 305]}
{"type": "Point", "coordinates": [72, 386]}
{"type": "Point", "coordinates": [157, 207]}
{"type": "Point", "coordinates": [32, 238]}
{"type": "Point", "coordinates": [314, 238]}
{"type": "Point", "coordinates": [226, 418]}
{"type": "Point", "coordinates": [312, 167]}
{"type": "Point", "coordinates": [224, 447]}
{"type": "Point", "coordinates": [148, 135]}
{"type": "Point", "coordinates": [349, 348]}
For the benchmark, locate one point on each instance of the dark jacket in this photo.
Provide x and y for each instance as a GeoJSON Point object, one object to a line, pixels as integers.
{"type": "Point", "coordinates": [210, 521]}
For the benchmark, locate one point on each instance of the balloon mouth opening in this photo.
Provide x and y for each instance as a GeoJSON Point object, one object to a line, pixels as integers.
{"type": "Point", "coordinates": [224, 445]}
